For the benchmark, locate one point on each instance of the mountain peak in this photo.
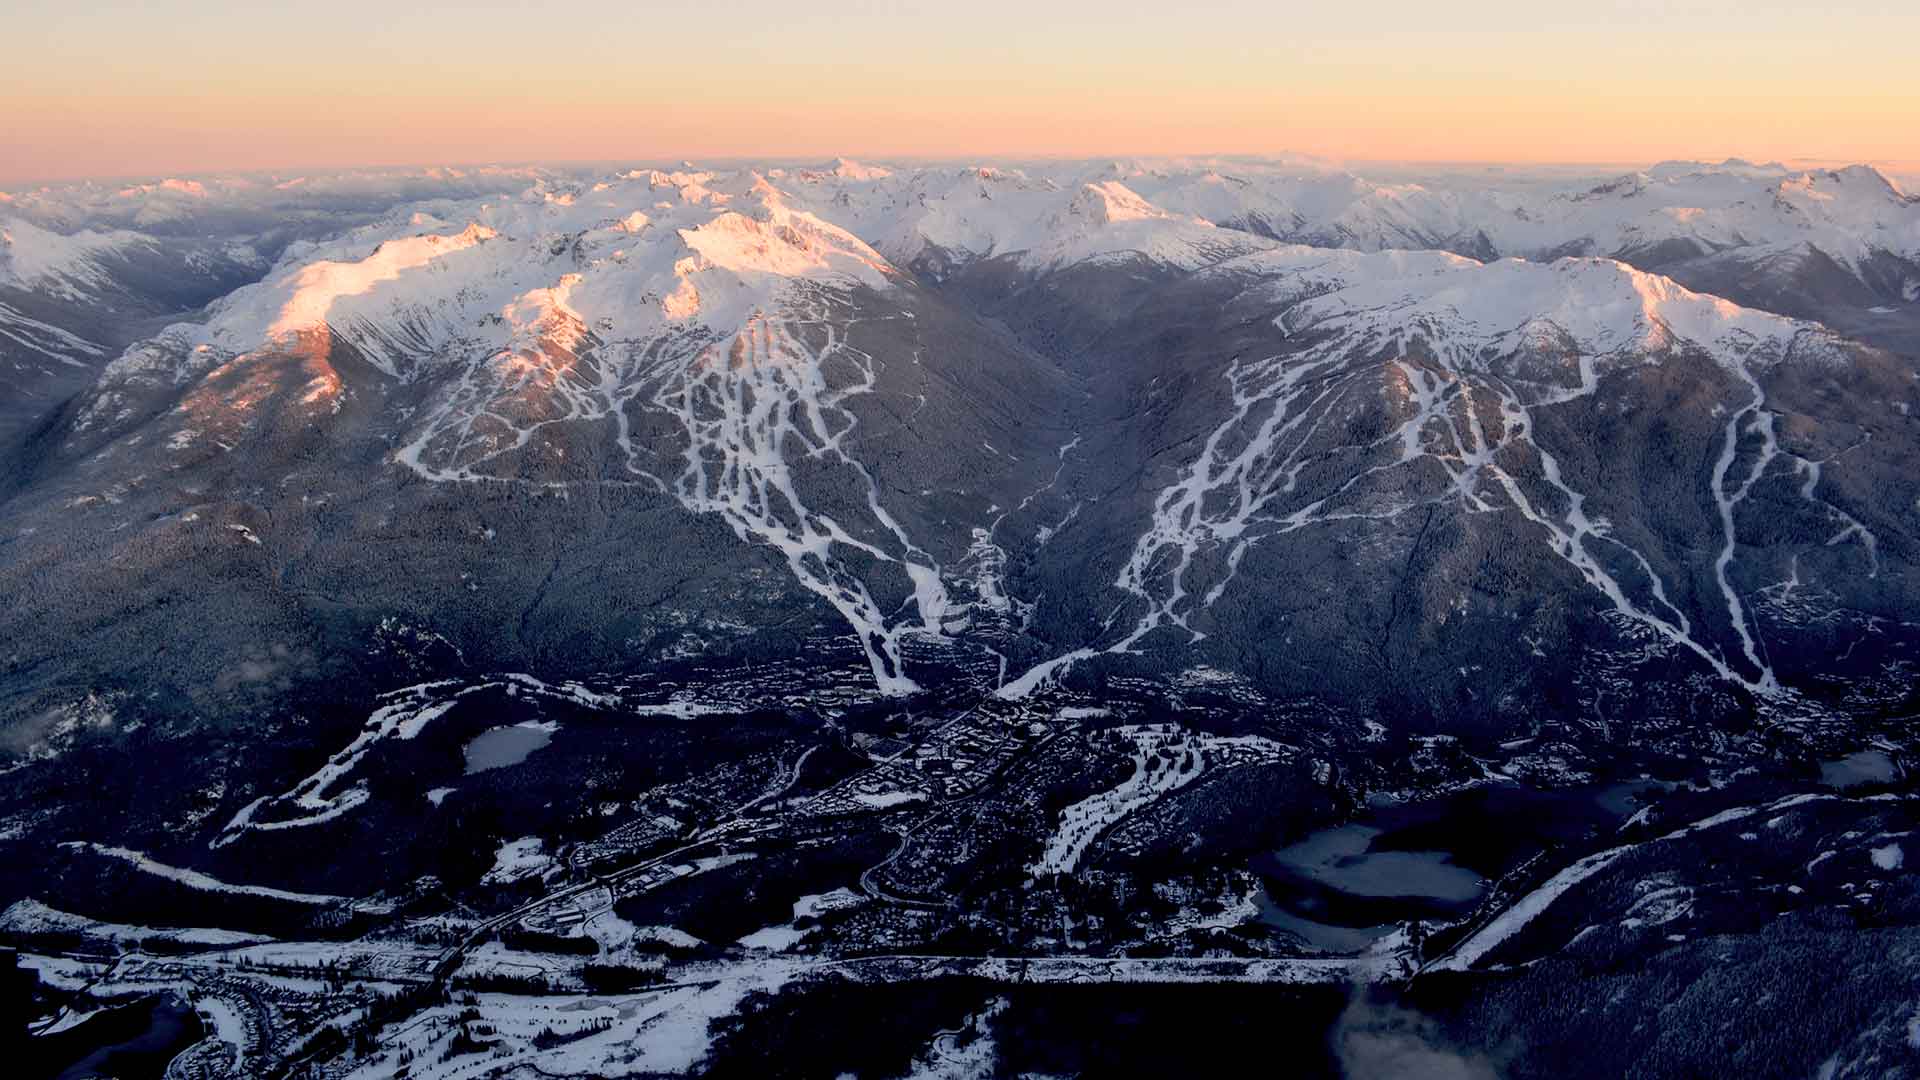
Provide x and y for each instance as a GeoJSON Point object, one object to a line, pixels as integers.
{"type": "Point", "coordinates": [1869, 177]}
{"type": "Point", "coordinates": [848, 169]}
{"type": "Point", "coordinates": [1109, 201]}
{"type": "Point", "coordinates": [316, 287]}
{"type": "Point", "coordinates": [67, 263]}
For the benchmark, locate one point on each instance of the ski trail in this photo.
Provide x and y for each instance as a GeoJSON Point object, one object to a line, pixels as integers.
{"type": "Point", "coordinates": [1753, 419]}
{"type": "Point", "coordinates": [1229, 496]}
{"type": "Point", "coordinates": [495, 406]}
{"type": "Point", "coordinates": [756, 408]}
{"type": "Point", "coordinates": [749, 410]}
{"type": "Point", "coordinates": [1851, 528]}
{"type": "Point", "coordinates": [1567, 539]}
{"type": "Point", "coordinates": [406, 713]}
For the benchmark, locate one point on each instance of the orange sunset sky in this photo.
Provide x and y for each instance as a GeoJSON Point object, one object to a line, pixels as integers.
{"type": "Point", "coordinates": [120, 89]}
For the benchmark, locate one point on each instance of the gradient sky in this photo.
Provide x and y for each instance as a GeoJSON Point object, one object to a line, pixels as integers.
{"type": "Point", "coordinates": [124, 89]}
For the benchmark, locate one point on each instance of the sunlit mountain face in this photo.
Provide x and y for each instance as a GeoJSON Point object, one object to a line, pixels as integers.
{"type": "Point", "coordinates": [568, 622]}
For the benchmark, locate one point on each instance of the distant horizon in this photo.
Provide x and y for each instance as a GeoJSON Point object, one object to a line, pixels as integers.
{"type": "Point", "coordinates": [16, 184]}
{"type": "Point", "coordinates": [198, 87]}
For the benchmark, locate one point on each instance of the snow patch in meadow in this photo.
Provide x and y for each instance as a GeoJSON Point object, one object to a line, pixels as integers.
{"type": "Point", "coordinates": [518, 859]}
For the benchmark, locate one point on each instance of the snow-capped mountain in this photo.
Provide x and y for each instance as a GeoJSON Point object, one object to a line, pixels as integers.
{"type": "Point", "coordinates": [1753, 231]}
{"type": "Point", "coordinates": [88, 269]}
{"type": "Point", "coordinates": [70, 301]}
{"type": "Point", "coordinates": [692, 346]}
{"type": "Point", "coordinates": [1669, 210]}
{"type": "Point", "coordinates": [1043, 418]}
{"type": "Point", "coordinates": [946, 216]}
{"type": "Point", "coordinates": [1841, 246]}
{"type": "Point", "coordinates": [66, 266]}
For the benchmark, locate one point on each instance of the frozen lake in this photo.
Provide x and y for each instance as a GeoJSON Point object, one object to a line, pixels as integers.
{"type": "Point", "coordinates": [497, 748]}
{"type": "Point", "coordinates": [1342, 887]}
{"type": "Point", "coordinates": [1865, 767]}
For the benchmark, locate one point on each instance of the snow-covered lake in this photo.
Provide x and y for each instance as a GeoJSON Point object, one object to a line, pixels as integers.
{"type": "Point", "coordinates": [1345, 860]}
{"type": "Point", "coordinates": [1344, 886]}
{"type": "Point", "coordinates": [1865, 767]}
{"type": "Point", "coordinates": [497, 748]}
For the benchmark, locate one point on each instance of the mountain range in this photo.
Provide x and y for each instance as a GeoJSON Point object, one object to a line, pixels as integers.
{"type": "Point", "coordinates": [1389, 445]}
{"type": "Point", "coordinates": [606, 619]}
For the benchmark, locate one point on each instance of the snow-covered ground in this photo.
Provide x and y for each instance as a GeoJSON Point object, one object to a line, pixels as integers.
{"type": "Point", "coordinates": [776, 938]}
{"type": "Point", "coordinates": [1153, 776]}
{"type": "Point", "coordinates": [1165, 759]}
{"type": "Point", "coordinates": [1529, 907]}
{"type": "Point", "coordinates": [890, 799]}
{"type": "Point", "coordinates": [517, 859]}
{"type": "Point", "coordinates": [407, 711]}
{"type": "Point", "coordinates": [658, 1032]}
{"type": "Point", "coordinates": [29, 917]}
{"type": "Point", "coordinates": [193, 879]}
{"type": "Point", "coordinates": [967, 1052]}
{"type": "Point", "coordinates": [403, 714]}
{"type": "Point", "coordinates": [50, 341]}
